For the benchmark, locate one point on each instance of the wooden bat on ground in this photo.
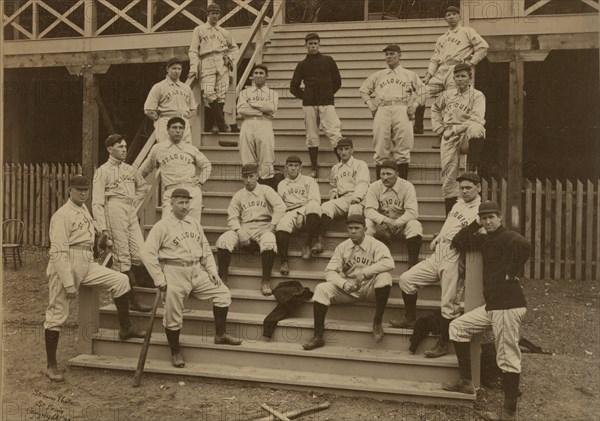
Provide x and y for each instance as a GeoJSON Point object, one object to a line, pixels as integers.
{"type": "Point", "coordinates": [297, 413]}
{"type": "Point", "coordinates": [137, 378]}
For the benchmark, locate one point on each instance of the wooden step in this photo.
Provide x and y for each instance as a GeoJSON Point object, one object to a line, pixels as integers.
{"type": "Point", "coordinates": [370, 386]}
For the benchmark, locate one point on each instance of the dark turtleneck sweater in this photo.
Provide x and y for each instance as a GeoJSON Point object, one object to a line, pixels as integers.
{"type": "Point", "coordinates": [321, 80]}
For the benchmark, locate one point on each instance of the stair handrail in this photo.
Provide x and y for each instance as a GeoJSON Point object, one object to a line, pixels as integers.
{"type": "Point", "coordinates": [257, 47]}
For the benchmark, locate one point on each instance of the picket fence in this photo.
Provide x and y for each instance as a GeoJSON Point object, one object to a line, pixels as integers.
{"type": "Point", "coordinates": [561, 218]}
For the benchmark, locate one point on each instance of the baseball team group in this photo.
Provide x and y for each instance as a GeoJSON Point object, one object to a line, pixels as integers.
{"type": "Point", "coordinates": [270, 208]}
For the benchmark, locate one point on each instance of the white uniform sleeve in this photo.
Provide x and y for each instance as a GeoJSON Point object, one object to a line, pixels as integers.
{"type": "Point", "coordinates": [233, 48]}
{"type": "Point", "coordinates": [234, 213]}
{"type": "Point", "coordinates": [149, 255]}
{"type": "Point", "coordinates": [368, 86]}
{"type": "Point", "coordinates": [383, 261]}
{"type": "Point", "coordinates": [372, 206]}
{"type": "Point", "coordinates": [153, 99]}
{"type": "Point", "coordinates": [334, 268]}
{"type": "Point", "coordinates": [420, 94]}
{"type": "Point", "coordinates": [363, 178]}
{"type": "Point", "coordinates": [480, 46]}
{"type": "Point", "coordinates": [59, 249]}
{"type": "Point", "coordinates": [411, 206]}
{"type": "Point", "coordinates": [314, 195]}
{"type": "Point", "coordinates": [478, 110]}
{"type": "Point", "coordinates": [437, 116]}
{"type": "Point", "coordinates": [276, 203]}
{"type": "Point", "coordinates": [194, 49]}
{"type": "Point", "coordinates": [141, 188]}
{"type": "Point", "coordinates": [98, 199]}
{"type": "Point", "coordinates": [203, 164]}
{"type": "Point", "coordinates": [149, 163]}
{"type": "Point", "coordinates": [434, 62]}
{"type": "Point", "coordinates": [192, 101]}
{"type": "Point", "coordinates": [243, 108]}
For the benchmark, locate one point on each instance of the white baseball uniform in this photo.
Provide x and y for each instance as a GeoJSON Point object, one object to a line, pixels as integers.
{"type": "Point", "coordinates": [72, 262]}
{"type": "Point", "coordinates": [395, 89]}
{"type": "Point", "coordinates": [210, 44]}
{"type": "Point", "coordinates": [349, 180]}
{"type": "Point", "coordinates": [117, 191]}
{"type": "Point", "coordinates": [442, 265]}
{"type": "Point", "coordinates": [371, 257]}
{"type": "Point", "coordinates": [178, 164]}
{"type": "Point", "coordinates": [257, 141]}
{"type": "Point", "coordinates": [178, 254]}
{"type": "Point", "coordinates": [301, 197]}
{"type": "Point", "coordinates": [463, 113]}
{"type": "Point", "coordinates": [171, 99]}
{"type": "Point", "coordinates": [398, 202]}
{"type": "Point", "coordinates": [255, 212]}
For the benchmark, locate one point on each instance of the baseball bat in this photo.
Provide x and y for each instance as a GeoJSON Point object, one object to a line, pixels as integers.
{"type": "Point", "coordinates": [298, 412]}
{"type": "Point", "coordinates": [137, 378]}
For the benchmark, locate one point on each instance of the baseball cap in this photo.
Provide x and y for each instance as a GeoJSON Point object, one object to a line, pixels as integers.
{"type": "Point", "coordinates": [462, 66]}
{"type": "Point", "coordinates": [452, 9]}
{"type": "Point", "coordinates": [293, 158]}
{"type": "Point", "coordinates": [78, 181]}
{"type": "Point", "coordinates": [312, 35]}
{"type": "Point", "coordinates": [489, 206]}
{"type": "Point", "coordinates": [344, 141]}
{"type": "Point", "coordinates": [174, 120]}
{"type": "Point", "coordinates": [249, 169]}
{"type": "Point", "coordinates": [112, 139]}
{"type": "Point", "coordinates": [261, 66]}
{"type": "Point", "coordinates": [213, 7]}
{"type": "Point", "coordinates": [181, 193]}
{"type": "Point", "coordinates": [174, 60]}
{"type": "Point", "coordinates": [355, 217]}
{"type": "Point", "coordinates": [389, 164]}
{"type": "Point", "coordinates": [471, 176]}
{"type": "Point", "coordinates": [392, 47]}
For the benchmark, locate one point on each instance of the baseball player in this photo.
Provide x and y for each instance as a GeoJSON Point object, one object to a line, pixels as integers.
{"type": "Point", "coordinates": [398, 92]}
{"type": "Point", "coordinates": [253, 214]}
{"type": "Point", "coordinates": [72, 265]}
{"type": "Point", "coordinates": [359, 270]}
{"type": "Point", "coordinates": [350, 180]}
{"type": "Point", "coordinates": [458, 45]}
{"type": "Point", "coordinates": [392, 210]}
{"type": "Point", "coordinates": [322, 80]}
{"type": "Point", "coordinates": [170, 98]}
{"type": "Point", "coordinates": [443, 265]}
{"type": "Point", "coordinates": [178, 163]}
{"type": "Point", "coordinates": [458, 116]}
{"type": "Point", "coordinates": [257, 105]}
{"type": "Point", "coordinates": [118, 189]}
{"type": "Point", "coordinates": [302, 199]}
{"type": "Point", "coordinates": [213, 53]}
{"type": "Point", "coordinates": [504, 254]}
{"type": "Point", "coordinates": [180, 261]}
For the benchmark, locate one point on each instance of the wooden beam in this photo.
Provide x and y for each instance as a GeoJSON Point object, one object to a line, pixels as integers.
{"type": "Point", "coordinates": [515, 139]}
{"type": "Point", "coordinates": [473, 299]}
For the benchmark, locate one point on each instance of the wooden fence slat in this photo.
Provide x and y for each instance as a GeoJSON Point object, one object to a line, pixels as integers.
{"type": "Point", "coordinates": [538, 229]}
{"type": "Point", "coordinates": [38, 203]}
{"type": "Point", "coordinates": [558, 231]}
{"type": "Point", "coordinates": [13, 198]}
{"type": "Point", "coordinates": [548, 230]}
{"type": "Point", "coordinates": [31, 204]}
{"type": "Point", "coordinates": [45, 204]}
{"type": "Point", "coordinates": [484, 188]}
{"type": "Point", "coordinates": [66, 182]}
{"type": "Point", "coordinates": [528, 233]}
{"type": "Point", "coordinates": [5, 189]}
{"type": "Point", "coordinates": [60, 182]}
{"type": "Point", "coordinates": [53, 189]}
{"type": "Point", "coordinates": [19, 181]}
{"type": "Point", "coordinates": [597, 230]}
{"type": "Point", "coordinates": [569, 231]}
{"type": "Point", "coordinates": [589, 229]}
{"type": "Point", "coordinates": [494, 196]}
{"type": "Point", "coordinates": [504, 200]}
{"type": "Point", "coordinates": [25, 209]}
{"type": "Point", "coordinates": [579, 231]}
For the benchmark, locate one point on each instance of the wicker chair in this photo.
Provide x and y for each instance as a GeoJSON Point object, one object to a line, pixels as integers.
{"type": "Point", "coordinates": [12, 241]}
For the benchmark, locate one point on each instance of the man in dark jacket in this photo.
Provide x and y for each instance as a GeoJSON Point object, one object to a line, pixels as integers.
{"type": "Point", "coordinates": [322, 80]}
{"type": "Point", "coordinates": [504, 253]}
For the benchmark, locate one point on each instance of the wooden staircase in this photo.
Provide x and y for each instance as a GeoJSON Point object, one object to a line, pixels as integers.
{"type": "Point", "coordinates": [351, 362]}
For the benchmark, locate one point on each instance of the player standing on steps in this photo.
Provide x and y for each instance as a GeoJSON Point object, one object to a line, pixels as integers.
{"type": "Point", "coordinates": [458, 45]}
{"type": "Point", "coordinates": [504, 254]}
{"type": "Point", "coordinates": [322, 80]}
{"type": "Point", "coordinates": [398, 92]}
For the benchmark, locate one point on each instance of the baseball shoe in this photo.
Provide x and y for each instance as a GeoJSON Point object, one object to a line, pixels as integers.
{"type": "Point", "coordinates": [317, 247]}
{"type": "Point", "coordinates": [177, 360]}
{"type": "Point", "coordinates": [284, 268]}
{"type": "Point", "coordinates": [54, 375]}
{"type": "Point", "coordinates": [402, 324]}
{"type": "Point", "coordinates": [306, 252]}
{"type": "Point", "coordinates": [505, 415]}
{"type": "Point", "coordinates": [437, 145]}
{"type": "Point", "coordinates": [137, 306]}
{"type": "Point", "coordinates": [214, 130]}
{"type": "Point", "coordinates": [377, 332]}
{"type": "Point", "coordinates": [461, 386]}
{"type": "Point", "coordinates": [314, 173]}
{"type": "Point", "coordinates": [265, 288]}
{"type": "Point", "coordinates": [227, 340]}
{"type": "Point", "coordinates": [131, 332]}
{"type": "Point", "coordinates": [439, 350]}
{"type": "Point", "coordinates": [314, 343]}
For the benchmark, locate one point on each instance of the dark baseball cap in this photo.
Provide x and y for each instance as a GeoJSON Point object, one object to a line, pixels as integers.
{"type": "Point", "coordinates": [213, 7]}
{"type": "Point", "coordinates": [489, 206]}
{"type": "Point", "coordinates": [452, 9]}
{"type": "Point", "coordinates": [344, 141]}
{"type": "Point", "coordinates": [79, 182]}
{"type": "Point", "coordinates": [392, 47]}
{"type": "Point", "coordinates": [293, 158]}
{"type": "Point", "coordinates": [462, 66]}
{"type": "Point", "coordinates": [357, 218]}
{"type": "Point", "coordinates": [471, 176]}
{"type": "Point", "coordinates": [261, 66]}
{"type": "Point", "coordinates": [389, 164]}
{"type": "Point", "coordinates": [174, 60]}
{"type": "Point", "coordinates": [181, 193]}
{"type": "Point", "coordinates": [249, 169]}
{"type": "Point", "coordinates": [174, 120]}
{"type": "Point", "coordinates": [112, 139]}
{"type": "Point", "coordinates": [312, 35]}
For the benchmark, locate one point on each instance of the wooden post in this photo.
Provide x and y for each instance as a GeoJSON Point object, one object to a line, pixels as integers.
{"type": "Point", "coordinates": [280, 19]}
{"type": "Point", "coordinates": [366, 10]}
{"type": "Point", "coordinates": [474, 299]}
{"type": "Point", "coordinates": [90, 18]}
{"type": "Point", "coordinates": [89, 318]}
{"type": "Point", "coordinates": [515, 139]}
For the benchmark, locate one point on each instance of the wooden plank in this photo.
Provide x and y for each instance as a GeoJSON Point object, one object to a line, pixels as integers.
{"type": "Point", "coordinates": [494, 196]}
{"type": "Point", "coordinates": [528, 225]}
{"type": "Point", "coordinates": [25, 211]}
{"type": "Point", "coordinates": [38, 205]}
{"type": "Point", "coordinates": [60, 192]}
{"type": "Point", "coordinates": [548, 230]}
{"type": "Point", "coordinates": [484, 189]}
{"type": "Point", "coordinates": [503, 200]}
{"type": "Point", "coordinates": [31, 204]}
{"type": "Point", "coordinates": [13, 191]}
{"type": "Point", "coordinates": [19, 192]}
{"type": "Point", "coordinates": [45, 204]}
{"type": "Point", "coordinates": [569, 231]}
{"type": "Point", "coordinates": [5, 189]}
{"type": "Point", "coordinates": [53, 189]}
{"type": "Point", "coordinates": [589, 230]}
{"type": "Point", "coordinates": [597, 277]}
{"type": "Point", "coordinates": [579, 231]}
{"type": "Point", "coordinates": [558, 230]}
{"type": "Point", "coordinates": [538, 229]}
{"type": "Point", "coordinates": [515, 137]}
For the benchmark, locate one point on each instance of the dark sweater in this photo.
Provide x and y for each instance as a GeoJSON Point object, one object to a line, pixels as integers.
{"type": "Point", "coordinates": [504, 253]}
{"type": "Point", "coordinates": [321, 80]}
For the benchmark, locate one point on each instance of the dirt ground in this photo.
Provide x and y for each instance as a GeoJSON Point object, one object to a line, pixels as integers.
{"type": "Point", "coordinates": [563, 318]}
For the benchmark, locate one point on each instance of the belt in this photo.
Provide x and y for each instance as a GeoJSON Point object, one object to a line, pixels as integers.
{"type": "Point", "coordinates": [185, 184]}
{"type": "Point", "coordinates": [82, 246]}
{"type": "Point", "coordinates": [452, 62]}
{"type": "Point", "coordinates": [181, 263]}
{"type": "Point", "coordinates": [212, 53]}
{"type": "Point", "coordinates": [120, 199]}
{"type": "Point", "coordinates": [255, 117]}
{"type": "Point", "coordinates": [393, 102]}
